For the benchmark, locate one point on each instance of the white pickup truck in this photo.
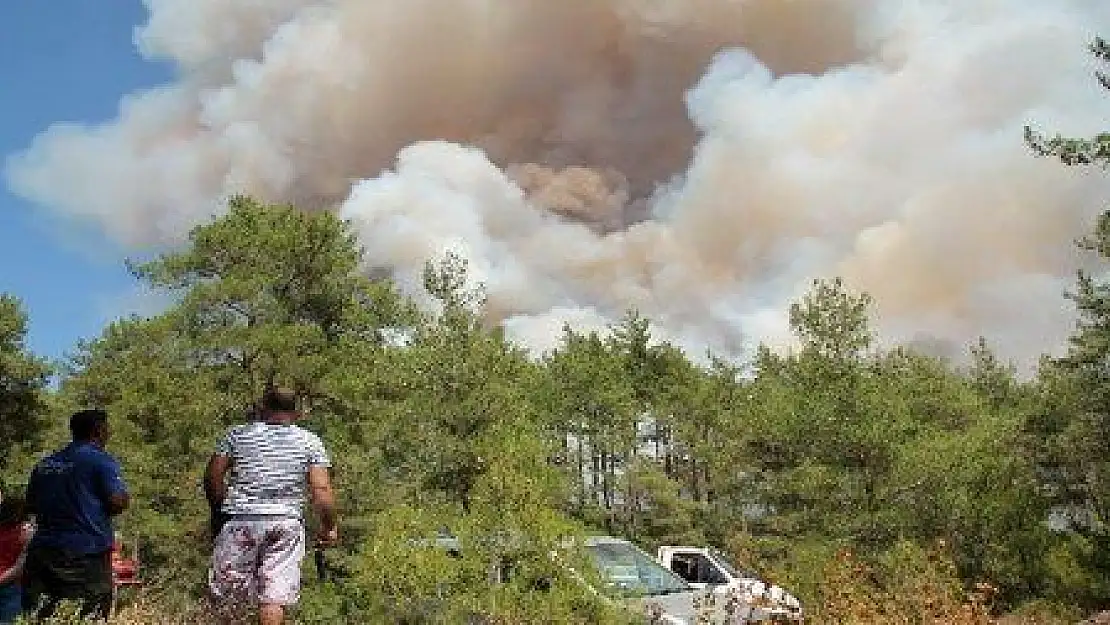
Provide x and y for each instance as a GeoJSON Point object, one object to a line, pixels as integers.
{"type": "Point", "coordinates": [657, 590]}
{"type": "Point", "coordinates": [709, 569]}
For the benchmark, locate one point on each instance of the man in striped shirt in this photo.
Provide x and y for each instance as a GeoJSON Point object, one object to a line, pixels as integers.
{"type": "Point", "coordinates": [259, 479]}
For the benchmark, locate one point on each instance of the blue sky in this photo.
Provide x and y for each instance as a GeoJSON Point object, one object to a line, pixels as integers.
{"type": "Point", "coordinates": [63, 61]}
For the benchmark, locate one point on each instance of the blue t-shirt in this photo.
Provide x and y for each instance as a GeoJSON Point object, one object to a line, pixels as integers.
{"type": "Point", "coordinates": [69, 493]}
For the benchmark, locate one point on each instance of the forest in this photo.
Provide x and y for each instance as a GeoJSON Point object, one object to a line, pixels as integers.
{"type": "Point", "coordinates": [878, 483]}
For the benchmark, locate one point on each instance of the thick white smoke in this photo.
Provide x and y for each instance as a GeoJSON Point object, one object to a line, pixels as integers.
{"type": "Point", "coordinates": [701, 160]}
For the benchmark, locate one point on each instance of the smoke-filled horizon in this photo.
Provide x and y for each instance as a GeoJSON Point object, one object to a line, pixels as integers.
{"type": "Point", "coordinates": [699, 160]}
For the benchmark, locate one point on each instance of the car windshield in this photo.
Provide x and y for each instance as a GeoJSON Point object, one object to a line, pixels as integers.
{"type": "Point", "coordinates": [732, 569]}
{"type": "Point", "coordinates": [634, 572]}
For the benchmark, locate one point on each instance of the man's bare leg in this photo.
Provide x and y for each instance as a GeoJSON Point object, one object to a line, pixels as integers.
{"type": "Point", "coordinates": [271, 614]}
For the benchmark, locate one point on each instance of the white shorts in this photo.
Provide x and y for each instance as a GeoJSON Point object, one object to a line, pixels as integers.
{"type": "Point", "coordinates": [258, 560]}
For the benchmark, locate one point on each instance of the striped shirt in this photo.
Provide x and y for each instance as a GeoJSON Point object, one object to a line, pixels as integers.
{"type": "Point", "coordinates": [269, 468]}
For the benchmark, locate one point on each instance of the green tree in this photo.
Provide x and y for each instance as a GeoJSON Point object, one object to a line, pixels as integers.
{"type": "Point", "coordinates": [266, 290]}
{"type": "Point", "coordinates": [1072, 150]}
{"type": "Point", "coordinates": [23, 379]}
{"type": "Point", "coordinates": [465, 446]}
{"type": "Point", "coordinates": [832, 322]}
{"type": "Point", "coordinates": [592, 407]}
{"type": "Point", "coordinates": [1074, 424]}
{"type": "Point", "coordinates": [263, 294]}
{"type": "Point", "coordinates": [824, 445]}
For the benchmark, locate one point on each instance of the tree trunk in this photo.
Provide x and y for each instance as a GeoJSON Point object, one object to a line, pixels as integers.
{"type": "Point", "coordinates": [668, 458]}
{"type": "Point", "coordinates": [695, 486]}
{"type": "Point", "coordinates": [708, 484]}
{"type": "Point", "coordinates": [580, 479]}
{"type": "Point", "coordinates": [595, 475]}
{"type": "Point", "coordinates": [607, 484]}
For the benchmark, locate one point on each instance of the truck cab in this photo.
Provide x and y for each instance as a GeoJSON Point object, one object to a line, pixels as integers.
{"type": "Point", "coordinates": [709, 569]}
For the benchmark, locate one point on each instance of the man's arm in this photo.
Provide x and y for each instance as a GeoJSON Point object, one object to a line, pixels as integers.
{"type": "Point", "coordinates": [118, 503]}
{"type": "Point", "coordinates": [215, 480]}
{"type": "Point", "coordinates": [14, 573]}
{"type": "Point", "coordinates": [114, 491]}
{"type": "Point", "coordinates": [323, 501]}
{"type": "Point", "coordinates": [16, 570]}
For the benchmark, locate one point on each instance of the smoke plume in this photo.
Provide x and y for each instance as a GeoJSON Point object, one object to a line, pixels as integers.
{"type": "Point", "coordinates": [700, 160]}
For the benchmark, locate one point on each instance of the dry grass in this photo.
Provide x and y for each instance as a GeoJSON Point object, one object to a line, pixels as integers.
{"type": "Point", "coordinates": [144, 608]}
{"type": "Point", "coordinates": [852, 594]}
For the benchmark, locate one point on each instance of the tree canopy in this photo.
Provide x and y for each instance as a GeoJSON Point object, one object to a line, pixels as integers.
{"type": "Point", "coordinates": [23, 379]}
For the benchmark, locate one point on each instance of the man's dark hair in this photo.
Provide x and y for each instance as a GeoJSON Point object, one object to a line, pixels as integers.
{"type": "Point", "coordinates": [83, 424]}
{"type": "Point", "coordinates": [277, 399]}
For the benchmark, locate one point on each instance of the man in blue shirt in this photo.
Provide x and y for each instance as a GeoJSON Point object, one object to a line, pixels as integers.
{"type": "Point", "coordinates": [73, 494]}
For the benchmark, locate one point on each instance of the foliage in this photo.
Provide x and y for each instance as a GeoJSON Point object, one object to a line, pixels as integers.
{"type": "Point", "coordinates": [23, 379]}
{"type": "Point", "coordinates": [438, 424]}
{"type": "Point", "coordinates": [456, 428]}
{"type": "Point", "coordinates": [1070, 425]}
